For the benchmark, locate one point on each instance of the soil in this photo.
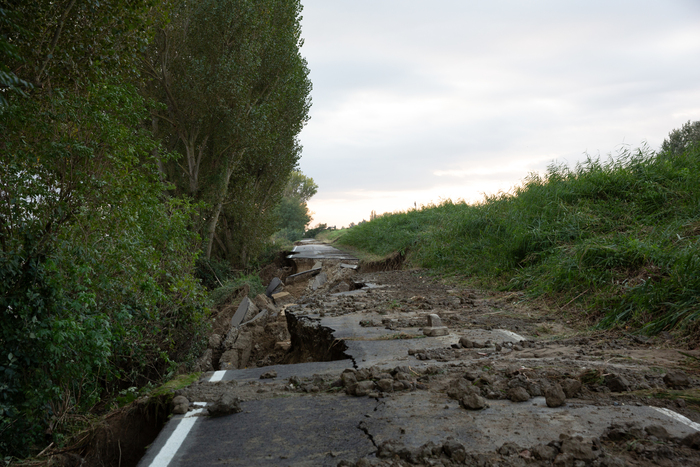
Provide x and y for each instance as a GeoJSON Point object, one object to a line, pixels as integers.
{"type": "Point", "coordinates": [558, 357]}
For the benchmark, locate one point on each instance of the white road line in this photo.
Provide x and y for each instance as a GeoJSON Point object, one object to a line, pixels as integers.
{"type": "Point", "coordinates": [217, 376]}
{"type": "Point", "coordinates": [512, 334]}
{"type": "Point", "coordinates": [171, 446]}
{"type": "Point", "coordinates": [679, 418]}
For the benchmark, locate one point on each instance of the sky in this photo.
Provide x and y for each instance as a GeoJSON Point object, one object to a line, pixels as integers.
{"type": "Point", "coordinates": [416, 102]}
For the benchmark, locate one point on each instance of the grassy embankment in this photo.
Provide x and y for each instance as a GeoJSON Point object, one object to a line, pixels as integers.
{"type": "Point", "coordinates": [619, 239]}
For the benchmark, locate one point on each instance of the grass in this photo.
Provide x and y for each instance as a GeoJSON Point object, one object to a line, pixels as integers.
{"type": "Point", "coordinates": [617, 238]}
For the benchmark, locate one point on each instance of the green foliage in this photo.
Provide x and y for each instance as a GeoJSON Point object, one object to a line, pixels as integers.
{"type": "Point", "coordinates": [97, 287]}
{"type": "Point", "coordinates": [300, 186]}
{"type": "Point", "coordinates": [680, 140]}
{"type": "Point", "coordinates": [221, 294]}
{"type": "Point", "coordinates": [311, 233]}
{"type": "Point", "coordinates": [620, 235]}
{"type": "Point", "coordinates": [236, 95]}
{"type": "Point", "coordinates": [293, 214]}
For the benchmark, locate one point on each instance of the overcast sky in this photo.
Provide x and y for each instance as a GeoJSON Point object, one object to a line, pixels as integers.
{"type": "Point", "coordinates": [419, 101]}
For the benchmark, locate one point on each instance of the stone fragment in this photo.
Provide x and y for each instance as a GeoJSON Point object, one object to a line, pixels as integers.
{"type": "Point", "coordinates": [435, 332]}
{"type": "Point", "coordinates": [676, 379]}
{"type": "Point", "coordinates": [319, 280]}
{"type": "Point", "coordinates": [263, 302]}
{"type": "Point", "coordinates": [509, 449]}
{"type": "Point", "coordinates": [246, 309]}
{"type": "Point", "coordinates": [386, 385]}
{"type": "Point", "coordinates": [434, 320]}
{"type": "Point", "coordinates": [341, 287]}
{"type": "Point", "coordinates": [578, 449]}
{"type": "Point", "coordinates": [348, 378]}
{"type": "Point", "coordinates": [283, 345]}
{"type": "Point", "coordinates": [571, 387]}
{"type": "Point", "coordinates": [518, 394]}
{"type": "Point", "coordinates": [473, 401]}
{"type": "Point", "coordinates": [231, 338]}
{"type": "Point", "coordinates": [692, 441]}
{"type": "Point", "coordinates": [466, 343]}
{"type": "Point", "coordinates": [282, 298]}
{"type": "Point", "coordinates": [205, 361]}
{"type": "Point", "coordinates": [225, 405]}
{"type": "Point", "coordinates": [544, 452]}
{"type": "Point", "coordinates": [348, 266]}
{"type": "Point", "coordinates": [564, 459]}
{"type": "Point", "coordinates": [363, 388]}
{"type": "Point", "coordinates": [554, 395]}
{"type": "Point", "coordinates": [215, 341]}
{"type": "Point", "coordinates": [658, 431]}
{"type": "Point", "coordinates": [180, 404]}
{"type": "Point", "coordinates": [455, 451]}
{"type": "Point", "coordinates": [229, 360]}
{"type": "Point", "coordinates": [274, 286]}
{"type": "Point", "coordinates": [269, 375]}
{"type": "Point", "coordinates": [617, 383]}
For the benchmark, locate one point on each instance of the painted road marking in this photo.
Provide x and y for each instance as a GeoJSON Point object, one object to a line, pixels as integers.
{"type": "Point", "coordinates": [171, 446]}
{"type": "Point", "coordinates": [217, 376]}
{"type": "Point", "coordinates": [678, 417]}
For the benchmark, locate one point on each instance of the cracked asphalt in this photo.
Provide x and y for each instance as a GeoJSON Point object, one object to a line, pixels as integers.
{"type": "Point", "coordinates": [401, 398]}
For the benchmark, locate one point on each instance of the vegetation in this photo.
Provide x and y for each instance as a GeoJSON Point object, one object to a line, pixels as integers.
{"type": "Point", "coordinates": [292, 213]}
{"type": "Point", "coordinates": [619, 237]}
{"type": "Point", "coordinates": [145, 146]}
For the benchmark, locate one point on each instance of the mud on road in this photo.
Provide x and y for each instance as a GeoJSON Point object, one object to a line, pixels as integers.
{"type": "Point", "coordinates": [509, 383]}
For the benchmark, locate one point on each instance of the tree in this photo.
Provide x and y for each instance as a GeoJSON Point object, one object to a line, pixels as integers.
{"type": "Point", "coordinates": [236, 90]}
{"type": "Point", "coordinates": [292, 213]}
{"type": "Point", "coordinates": [681, 139]}
{"type": "Point", "coordinates": [300, 186]}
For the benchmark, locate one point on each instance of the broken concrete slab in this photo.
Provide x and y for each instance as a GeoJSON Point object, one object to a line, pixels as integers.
{"type": "Point", "coordinates": [435, 327]}
{"type": "Point", "coordinates": [349, 266]}
{"type": "Point", "coordinates": [274, 286]}
{"type": "Point", "coordinates": [436, 332]}
{"type": "Point", "coordinates": [246, 311]}
{"type": "Point", "coordinates": [264, 302]}
{"type": "Point", "coordinates": [302, 275]}
{"type": "Point", "coordinates": [317, 265]}
{"type": "Point", "coordinates": [319, 280]}
{"type": "Point", "coordinates": [283, 298]}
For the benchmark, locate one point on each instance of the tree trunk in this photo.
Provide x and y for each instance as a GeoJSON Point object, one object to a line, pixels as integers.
{"type": "Point", "coordinates": [221, 196]}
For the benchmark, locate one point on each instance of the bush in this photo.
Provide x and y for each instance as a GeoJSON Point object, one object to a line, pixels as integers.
{"type": "Point", "coordinates": [96, 263]}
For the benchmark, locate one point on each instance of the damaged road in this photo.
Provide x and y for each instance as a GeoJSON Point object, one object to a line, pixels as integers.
{"type": "Point", "coordinates": [395, 368]}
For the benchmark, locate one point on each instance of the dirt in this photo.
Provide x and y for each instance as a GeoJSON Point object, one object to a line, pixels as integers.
{"type": "Point", "coordinates": [558, 358]}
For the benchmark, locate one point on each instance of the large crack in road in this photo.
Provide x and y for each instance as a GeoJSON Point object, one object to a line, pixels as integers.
{"type": "Point", "coordinates": [507, 384]}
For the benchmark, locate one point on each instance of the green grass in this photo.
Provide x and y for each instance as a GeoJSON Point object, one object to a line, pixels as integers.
{"type": "Point", "coordinates": [617, 237]}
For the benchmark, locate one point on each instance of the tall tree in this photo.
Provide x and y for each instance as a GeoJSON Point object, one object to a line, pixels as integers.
{"type": "Point", "coordinates": [237, 91]}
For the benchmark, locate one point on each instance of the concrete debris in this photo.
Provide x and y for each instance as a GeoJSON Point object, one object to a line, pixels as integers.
{"type": "Point", "coordinates": [283, 298]}
{"type": "Point", "coordinates": [435, 327]}
{"type": "Point", "coordinates": [319, 280]}
{"type": "Point", "coordinates": [180, 405]}
{"type": "Point", "coordinates": [246, 311]}
{"type": "Point", "coordinates": [676, 379]}
{"type": "Point", "coordinates": [227, 404]}
{"type": "Point", "coordinates": [554, 395]}
{"type": "Point", "coordinates": [274, 286]}
{"type": "Point", "coordinates": [617, 383]}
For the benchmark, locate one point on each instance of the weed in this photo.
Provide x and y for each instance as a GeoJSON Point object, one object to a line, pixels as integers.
{"type": "Point", "coordinates": [617, 239]}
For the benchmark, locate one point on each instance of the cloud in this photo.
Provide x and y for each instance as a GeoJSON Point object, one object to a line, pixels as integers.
{"type": "Point", "coordinates": [412, 97]}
